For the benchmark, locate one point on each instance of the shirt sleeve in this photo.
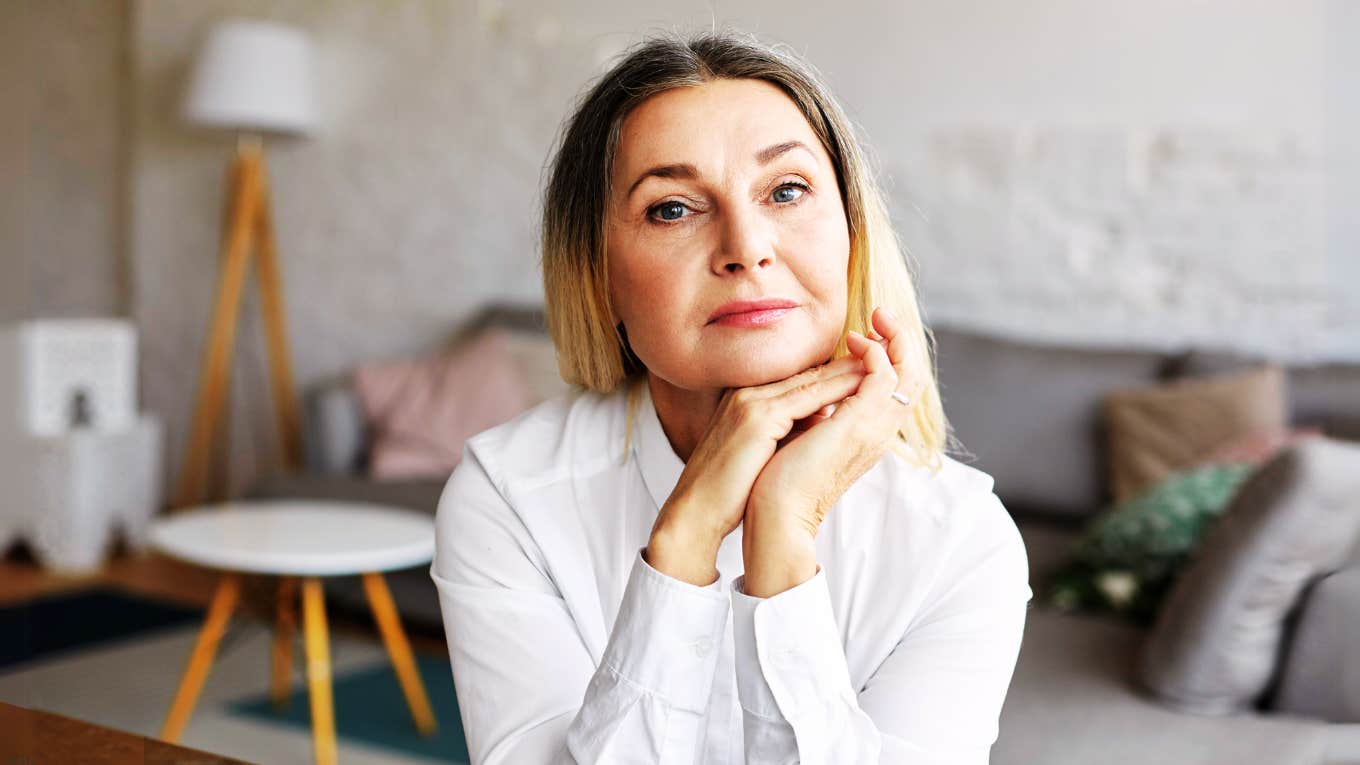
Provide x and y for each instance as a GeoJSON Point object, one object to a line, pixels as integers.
{"type": "Point", "coordinates": [935, 700]}
{"type": "Point", "coordinates": [527, 687]}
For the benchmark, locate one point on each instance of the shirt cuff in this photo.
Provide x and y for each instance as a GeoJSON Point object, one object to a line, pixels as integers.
{"type": "Point", "coordinates": [788, 649]}
{"type": "Point", "coordinates": [667, 635]}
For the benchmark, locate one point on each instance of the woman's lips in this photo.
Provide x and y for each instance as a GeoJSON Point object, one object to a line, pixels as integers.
{"type": "Point", "coordinates": [758, 318]}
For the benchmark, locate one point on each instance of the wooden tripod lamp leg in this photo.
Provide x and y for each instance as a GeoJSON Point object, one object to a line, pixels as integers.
{"type": "Point", "coordinates": [216, 369]}
{"type": "Point", "coordinates": [271, 294]}
{"type": "Point", "coordinates": [399, 649]}
{"type": "Point", "coordinates": [219, 614]}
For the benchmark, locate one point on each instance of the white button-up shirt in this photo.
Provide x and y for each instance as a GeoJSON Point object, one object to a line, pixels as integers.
{"type": "Point", "coordinates": [566, 646]}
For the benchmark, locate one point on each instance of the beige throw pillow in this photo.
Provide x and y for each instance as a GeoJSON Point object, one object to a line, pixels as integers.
{"type": "Point", "coordinates": [1157, 430]}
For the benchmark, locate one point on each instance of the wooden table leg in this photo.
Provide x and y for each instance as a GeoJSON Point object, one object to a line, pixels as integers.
{"type": "Point", "coordinates": [318, 671]}
{"type": "Point", "coordinates": [219, 614]}
{"type": "Point", "coordinates": [284, 623]}
{"type": "Point", "coordinates": [385, 612]}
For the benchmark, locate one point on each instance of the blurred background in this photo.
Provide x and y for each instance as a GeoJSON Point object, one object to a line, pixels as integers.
{"type": "Point", "coordinates": [1119, 189]}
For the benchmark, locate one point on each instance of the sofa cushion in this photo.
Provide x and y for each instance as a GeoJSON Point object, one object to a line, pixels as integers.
{"type": "Point", "coordinates": [536, 357]}
{"type": "Point", "coordinates": [1073, 701]}
{"type": "Point", "coordinates": [1029, 414]}
{"type": "Point", "coordinates": [1323, 395]}
{"type": "Point", "coordinates": [421, 410]}
{"type": "Point", "coordinates": [1328, 396]}
{"type": "Point", "coordinates": [334, 435]}
{"type": "Point", "coordinates": [1321, 672]}
{"type": "Point", "coordinates": [1127, 558]}
{"type": "Point", "coordinates": [1214, 646]}
{"type": "Point", "coordinates": [1159, 429]}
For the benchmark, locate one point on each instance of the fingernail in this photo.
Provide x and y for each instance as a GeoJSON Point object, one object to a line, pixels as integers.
{"type": "Point", "coordinates": [889, 314]}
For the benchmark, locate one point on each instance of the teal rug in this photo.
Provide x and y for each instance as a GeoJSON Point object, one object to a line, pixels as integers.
{"type": "Point", "coordinates": [370, 709]}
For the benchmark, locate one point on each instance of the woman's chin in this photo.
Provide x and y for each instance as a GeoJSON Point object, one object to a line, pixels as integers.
{"type": "Point", "coordinates": [764, 365]}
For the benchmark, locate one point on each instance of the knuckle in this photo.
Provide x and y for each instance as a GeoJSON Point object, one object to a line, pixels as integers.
{"type": "Point", "coordinates": [746, 408]}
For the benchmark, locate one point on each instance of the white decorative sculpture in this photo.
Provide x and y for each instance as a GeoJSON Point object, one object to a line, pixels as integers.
{"type": "Point", "coordinates": [77, 461]}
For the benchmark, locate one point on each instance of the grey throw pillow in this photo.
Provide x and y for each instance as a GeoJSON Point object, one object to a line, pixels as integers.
{"type": "Point", "coordinates": [1214, 645]}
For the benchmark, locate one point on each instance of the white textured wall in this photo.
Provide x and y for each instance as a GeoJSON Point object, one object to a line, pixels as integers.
{"type": "Point", "coordinates": [1152, 173]}
{"type": "Point", "coordinates": [1159, 237]}
{"type": "Point", "coordinates": [1343, 177]}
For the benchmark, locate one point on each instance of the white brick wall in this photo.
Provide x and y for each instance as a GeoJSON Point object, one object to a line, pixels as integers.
{"type": "Point", "coordinates": [1155, 237]}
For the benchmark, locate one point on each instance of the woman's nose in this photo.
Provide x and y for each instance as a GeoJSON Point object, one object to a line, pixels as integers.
{"type": "Point", "coordinates": [745, 244]}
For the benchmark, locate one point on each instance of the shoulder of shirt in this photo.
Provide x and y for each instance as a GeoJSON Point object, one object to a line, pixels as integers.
{"type": "Point", "coordinates": [576, 432]}
{"type": "Point", "coordinates": [957, 496]}
{"type": "Point", "coordinates": [971, 522]}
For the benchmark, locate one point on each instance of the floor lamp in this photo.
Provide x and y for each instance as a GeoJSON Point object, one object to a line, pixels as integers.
{"type": "Point", "coordinates": [252, 77]}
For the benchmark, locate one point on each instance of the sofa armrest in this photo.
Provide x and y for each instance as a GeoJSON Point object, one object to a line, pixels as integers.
{"type": "Point", "coordinates": [335, 438]}
{"type": "Point", "coordinates": [1320, 671]}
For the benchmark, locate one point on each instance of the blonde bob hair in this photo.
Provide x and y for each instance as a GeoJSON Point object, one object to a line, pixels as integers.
{"type": "Point", "coordinates": [593, 350]}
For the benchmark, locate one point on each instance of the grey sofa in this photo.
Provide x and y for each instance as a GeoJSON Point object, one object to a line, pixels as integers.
{"type": "Point", "coordinates": [1029, 414]}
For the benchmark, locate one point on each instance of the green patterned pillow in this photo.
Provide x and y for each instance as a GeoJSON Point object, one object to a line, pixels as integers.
{"type": "Point", "coordinates": [1127, 558]}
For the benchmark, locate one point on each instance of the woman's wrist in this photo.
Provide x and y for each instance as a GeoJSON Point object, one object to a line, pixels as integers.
{"type": "Point", "coordinates": [777, 555]}
{"type": "Point", "coordinates": [682, 550]}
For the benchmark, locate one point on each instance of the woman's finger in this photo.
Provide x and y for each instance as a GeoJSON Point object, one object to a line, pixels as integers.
{"type": "Point", "coordinates": [881, 379]}
{"type": "Point", "coordinates": [808, 377]}
{"type": "Point", "coordinates": [891, 329]}
{"type": "Point", "coordinates": [818, 393]}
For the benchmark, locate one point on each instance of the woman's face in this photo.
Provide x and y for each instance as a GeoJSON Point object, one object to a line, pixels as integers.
{"type": "Point", "coordinates": [734, 213]}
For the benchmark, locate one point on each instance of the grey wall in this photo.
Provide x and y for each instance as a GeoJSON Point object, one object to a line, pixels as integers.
{"type": "Point", "coordinates": [63, 79]}
{"type": "Point", "coordinates": [1155, 173]}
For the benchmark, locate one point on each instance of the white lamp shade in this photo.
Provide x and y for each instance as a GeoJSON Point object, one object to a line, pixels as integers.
{"type": "Point", "coordinates": [255, 76]}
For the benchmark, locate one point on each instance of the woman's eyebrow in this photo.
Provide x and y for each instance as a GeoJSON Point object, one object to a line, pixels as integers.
{"type": "Point", "coordinates": [688, 171]}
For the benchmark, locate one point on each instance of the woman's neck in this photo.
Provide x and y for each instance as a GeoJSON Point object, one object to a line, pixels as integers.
{"type": "Point", "coordinates": [684, 414]}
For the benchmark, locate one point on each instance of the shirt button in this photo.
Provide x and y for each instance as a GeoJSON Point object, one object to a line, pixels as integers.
{"type": "Point", "coordinates": [702, 647]}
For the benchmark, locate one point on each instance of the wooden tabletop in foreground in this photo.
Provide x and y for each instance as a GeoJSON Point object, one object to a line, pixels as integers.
{"type": "Point", "coordinates": [35, 737]}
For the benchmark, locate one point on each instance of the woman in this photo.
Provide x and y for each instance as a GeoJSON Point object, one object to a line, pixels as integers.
{"type": "Point", "coordinates": [715, 252]}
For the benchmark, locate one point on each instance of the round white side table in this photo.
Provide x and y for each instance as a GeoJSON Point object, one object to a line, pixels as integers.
{"type": "Point", "coordinates": [306, 539]}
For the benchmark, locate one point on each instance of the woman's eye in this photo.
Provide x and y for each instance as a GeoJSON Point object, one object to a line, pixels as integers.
{"type": "Point", "coordinates": [802, 189]}
{"type": "Point", "coordinates": [669, 206]}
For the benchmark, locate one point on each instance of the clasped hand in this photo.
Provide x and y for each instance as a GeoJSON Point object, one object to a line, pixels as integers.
{"type": "Point", "coordinates": [825, 453]}
{"type": "Point", "coordinates": [776, 457]}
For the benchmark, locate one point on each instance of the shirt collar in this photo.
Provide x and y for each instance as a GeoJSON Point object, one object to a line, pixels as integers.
{"type": "Point", "coordinates": [661, 466]}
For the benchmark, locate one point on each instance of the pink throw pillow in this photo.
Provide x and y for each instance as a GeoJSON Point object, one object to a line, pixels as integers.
{"type": "Point", "coordinates": [1259, 447]}
{"type": "Point", "coordinates": [420, 411]}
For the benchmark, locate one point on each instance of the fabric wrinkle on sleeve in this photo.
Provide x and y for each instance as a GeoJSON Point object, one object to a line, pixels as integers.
{"type": "Point", "coordinates": [672, 634]}
{"type": "Point", "coordinates": [788, 648]}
